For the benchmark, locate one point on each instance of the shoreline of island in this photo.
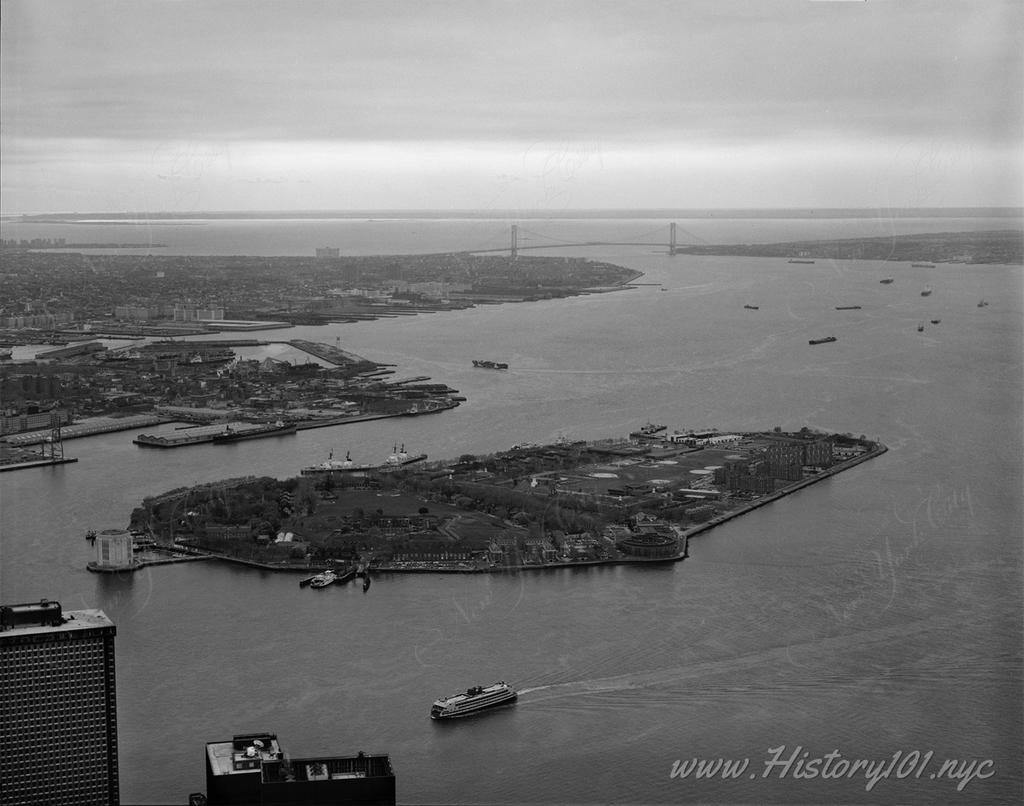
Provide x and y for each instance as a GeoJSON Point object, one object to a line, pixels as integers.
{"type": "Point", "coordinates": [160, 554]}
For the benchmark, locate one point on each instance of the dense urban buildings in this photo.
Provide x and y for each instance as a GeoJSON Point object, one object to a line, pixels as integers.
{"type": "Point", "coordinates": [58, 711]}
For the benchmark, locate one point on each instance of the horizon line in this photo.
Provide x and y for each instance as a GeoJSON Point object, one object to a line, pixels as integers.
{"type": "Point", "coordinates": [1007, 210]}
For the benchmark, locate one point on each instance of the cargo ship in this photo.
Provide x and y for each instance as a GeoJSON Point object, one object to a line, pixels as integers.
{"type": "Point", "coordinates": [230, 434]}
{"type": "Point", "coordinates": [398, 458]}
{"type": "Point", "coordinates": [475, 700]}
{"type": "Point", "coordinates": [489, 364]}
{"type": "Point", "coordinates": [649, 431]}
{"type": "Point", "coordinates": [825, 340]}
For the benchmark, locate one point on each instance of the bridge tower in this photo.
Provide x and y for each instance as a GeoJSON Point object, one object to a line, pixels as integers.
{"type": "Point", "coordinates": [514, 250]}
{"type": "Point", "coordinates": [672, 238]}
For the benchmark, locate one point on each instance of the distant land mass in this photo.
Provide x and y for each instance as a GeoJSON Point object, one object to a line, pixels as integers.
{"type": "Point", "coordinates": [993, 246]}
{"type": "Point", "coordinates": [513, 214]}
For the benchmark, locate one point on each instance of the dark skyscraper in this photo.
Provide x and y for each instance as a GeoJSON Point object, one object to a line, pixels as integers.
{"type": "Point", "coordinates": [58, 710]}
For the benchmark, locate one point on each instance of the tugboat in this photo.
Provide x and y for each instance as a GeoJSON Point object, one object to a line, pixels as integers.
{"type": "Point", "coordinates": [927, 291]}
{"type": "Point", "coordinates": [475, 700]}
{"type": "Point", "coordinates": [824, 340]}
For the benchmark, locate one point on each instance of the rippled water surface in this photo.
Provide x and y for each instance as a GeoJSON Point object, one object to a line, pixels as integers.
{"type": "Point", "coordinates": [874, 613]}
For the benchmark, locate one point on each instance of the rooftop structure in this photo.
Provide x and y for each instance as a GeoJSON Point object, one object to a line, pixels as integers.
{"type": "Point", "coordinates": [58, 712]}
{"type": "Point", "coordinates": [252, 768]}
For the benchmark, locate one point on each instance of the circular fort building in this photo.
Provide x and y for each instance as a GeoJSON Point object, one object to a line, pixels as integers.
{"type": "Point", "coordinates": [649, 546]}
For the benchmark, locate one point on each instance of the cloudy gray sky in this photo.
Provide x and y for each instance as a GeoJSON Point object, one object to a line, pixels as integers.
{"type": "Point", "coordinates": [265, 104]}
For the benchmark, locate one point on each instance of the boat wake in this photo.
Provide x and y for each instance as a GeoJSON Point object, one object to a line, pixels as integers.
{"type": "Point", "coordinates": [811, 661]}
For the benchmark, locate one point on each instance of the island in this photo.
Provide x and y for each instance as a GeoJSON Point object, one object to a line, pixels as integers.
{"type": "Point", "coordinates": [635, 499]}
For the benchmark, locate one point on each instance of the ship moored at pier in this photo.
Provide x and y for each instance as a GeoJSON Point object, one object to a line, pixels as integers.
{"type": "Point", "coordinates": [398, 458]}
{"type": "Point", "coordinates": [475, 700]}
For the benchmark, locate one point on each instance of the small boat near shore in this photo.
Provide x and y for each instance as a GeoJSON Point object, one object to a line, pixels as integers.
{"type": "Point", "coordinates": [324, 579]}
{"type": "Point", "coordinates": [475, 700]}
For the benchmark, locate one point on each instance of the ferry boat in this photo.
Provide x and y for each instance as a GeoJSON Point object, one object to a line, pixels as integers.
{"type": "Point", "coordinates": [323, 580]}
{"type": "Point", "coordinates": [475, 700]}
{"type": "Point", "coordinates": [824, 340]}
{"type": "Point", "coordinates": [489, 364]}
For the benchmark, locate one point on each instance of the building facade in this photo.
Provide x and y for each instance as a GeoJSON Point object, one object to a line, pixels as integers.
{"type": "Point", "coordinates": [58, 708]}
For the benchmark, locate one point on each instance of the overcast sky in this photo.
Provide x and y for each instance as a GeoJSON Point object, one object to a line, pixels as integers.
{"type": "Point", "coordinates": [260, 105]}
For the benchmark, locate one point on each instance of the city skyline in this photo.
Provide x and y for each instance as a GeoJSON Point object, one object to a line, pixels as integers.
{"type": "Point", "coordinates": [178, 106]}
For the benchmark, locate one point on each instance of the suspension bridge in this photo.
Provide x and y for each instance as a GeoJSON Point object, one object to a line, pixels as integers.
{"type": "Point", "coordinates": [522, 239]}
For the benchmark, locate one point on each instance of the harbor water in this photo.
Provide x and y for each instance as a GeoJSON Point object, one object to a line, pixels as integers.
{"type": "Point", "coordinates": [875, 613]}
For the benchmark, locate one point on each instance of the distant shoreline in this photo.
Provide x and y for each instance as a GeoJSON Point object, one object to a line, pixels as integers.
{"type": "Point", "coordinates": [512, 214]}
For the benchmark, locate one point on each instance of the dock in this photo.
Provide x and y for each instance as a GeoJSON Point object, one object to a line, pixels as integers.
{"type": "Point", "coordinates": [43, 461]}
{"type": "Point", "coordinates": [87, 428]}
